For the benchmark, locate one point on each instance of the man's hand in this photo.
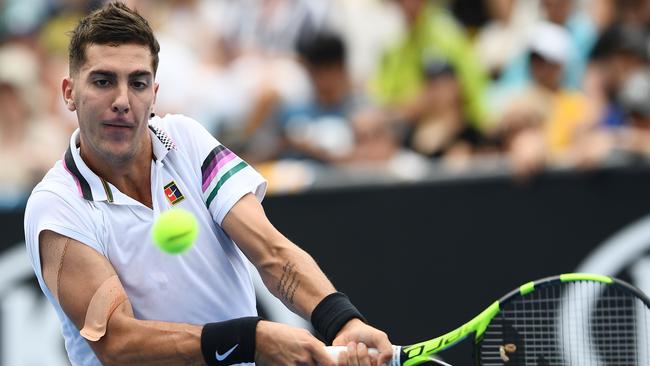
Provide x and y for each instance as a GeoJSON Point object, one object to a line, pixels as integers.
{"type": "Point", "coordinates": [280, 344]}
{"type": "Point", "coordinates": [358, 336]}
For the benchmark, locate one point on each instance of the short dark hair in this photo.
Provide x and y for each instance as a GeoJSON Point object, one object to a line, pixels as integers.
{"type": "Point", "coordinates": [114, 24]}
{"type": "Point", "coordinates": [322, 49]}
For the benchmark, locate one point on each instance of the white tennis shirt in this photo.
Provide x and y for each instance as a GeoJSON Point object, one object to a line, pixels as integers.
{"type": "Point", "coordinates": [210, 282]}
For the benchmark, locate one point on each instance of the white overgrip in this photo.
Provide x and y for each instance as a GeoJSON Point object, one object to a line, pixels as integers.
{"type": "Point", "coordinates": [334, 352]}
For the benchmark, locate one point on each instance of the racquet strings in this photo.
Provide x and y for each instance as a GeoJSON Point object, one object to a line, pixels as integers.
{"type": "Point", "coordinates": [582, 323]}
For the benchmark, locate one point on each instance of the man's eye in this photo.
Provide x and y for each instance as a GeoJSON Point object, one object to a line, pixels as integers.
{"type": "Point", "coordinates": [102, 83]}
{"type": "Point", "coordinates": [139, 85]}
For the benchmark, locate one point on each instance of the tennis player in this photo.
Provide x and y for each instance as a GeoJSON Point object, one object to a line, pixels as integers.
{"type": "Point", "coordinates": [87, 226]}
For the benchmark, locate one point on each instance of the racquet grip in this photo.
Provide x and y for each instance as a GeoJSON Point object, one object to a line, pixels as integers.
{"type": "Point", "coordinates": [334, 352]}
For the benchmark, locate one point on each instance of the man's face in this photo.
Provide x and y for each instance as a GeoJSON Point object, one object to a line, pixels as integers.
{"type": "Point", "coordinates": [113, 93]}
{"type": "Point", "coordinates": [330, 83]}
{"type": "Point", "coordinates": [546, 73]}
{"type": "Point", "coordinates": [411, 9]}
{"type": "Point", "coordinates": [558, 11]}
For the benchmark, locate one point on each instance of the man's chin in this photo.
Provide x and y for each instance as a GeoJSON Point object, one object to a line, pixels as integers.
{"type": "Point", "coordinates": [118, 155]}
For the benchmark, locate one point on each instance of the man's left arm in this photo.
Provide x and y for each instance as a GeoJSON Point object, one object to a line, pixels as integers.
{"type": "Point", "coordinates": [293, 276]}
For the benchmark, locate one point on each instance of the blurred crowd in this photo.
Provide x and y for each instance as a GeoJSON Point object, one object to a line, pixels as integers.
{"type": "Point", "coordinates": [294, 85]}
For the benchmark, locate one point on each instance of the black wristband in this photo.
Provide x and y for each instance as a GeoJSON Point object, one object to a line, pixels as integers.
{"type": "Point", "coordinates": [331, 314]}
{"type": "Point", "coordinates": [229, 342]}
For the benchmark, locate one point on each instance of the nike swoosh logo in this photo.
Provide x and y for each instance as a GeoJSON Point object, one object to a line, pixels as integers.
{"type": "Point", "coordinates": [171, 195]}
{"type": "Point", "coordinates": [225, 355]}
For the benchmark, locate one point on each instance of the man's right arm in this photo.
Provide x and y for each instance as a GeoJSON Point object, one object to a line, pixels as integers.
{"type": "Point", "coordinates": [79, 277]}
{"type": "Point", "coordinates": [74, 273]}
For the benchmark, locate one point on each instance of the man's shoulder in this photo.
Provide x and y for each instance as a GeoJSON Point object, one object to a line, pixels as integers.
{"type": "Point", "coordinates": [185, 133]}
{"type": "Point", "coordinates": [175, 124]}
{"type": "Point", "coordinates": [57, 183]}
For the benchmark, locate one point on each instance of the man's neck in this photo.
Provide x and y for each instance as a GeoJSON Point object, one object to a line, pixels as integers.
{"type": "Point", "coordinates": [132, 177]}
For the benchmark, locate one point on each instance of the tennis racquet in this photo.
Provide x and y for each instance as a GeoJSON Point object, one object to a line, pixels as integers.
{"type": "Point", "coordinates": [574, 319]}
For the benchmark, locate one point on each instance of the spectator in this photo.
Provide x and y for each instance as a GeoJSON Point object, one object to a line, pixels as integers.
{"type": "Point", "coordinates": [319, 128]}
{"type": "Point", "coordinates": [431, 33]}
{"type": "Point", "coordinates": [630, 139]}
{"type": "Point", "coordinates": [634, 137]}
{"type": "Point", "coordinates": [29, 142]}
{"type": "Point", "coordinates": [544, 121]}
{"type": "Point", "coordinates": [378, 148]}
{"type": "Point", "coordinates": [444, 127]}
{"type": "Point", "coordinates": [582, 32]}
{"type": "Point", "coordinates": [621, 50]}
{"type": "Point", "coordinates": [505, 36]}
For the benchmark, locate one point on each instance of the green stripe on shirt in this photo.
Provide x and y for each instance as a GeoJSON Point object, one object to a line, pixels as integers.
{"type": "Point", "coordinates": [223, 180]}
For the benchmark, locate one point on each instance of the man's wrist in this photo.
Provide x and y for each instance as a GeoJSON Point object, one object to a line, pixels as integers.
{"type": "Point", "coordinates": [332, 313]}
{"type": "Point", "coordinates": [229, 342]}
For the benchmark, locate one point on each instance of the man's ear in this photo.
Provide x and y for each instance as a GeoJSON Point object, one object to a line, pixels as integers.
{"type": "Point", "coordinates": [66, 88]}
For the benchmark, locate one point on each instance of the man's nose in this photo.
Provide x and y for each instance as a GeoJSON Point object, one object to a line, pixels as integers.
{"type": "Point", "coordinates": [121, 102]}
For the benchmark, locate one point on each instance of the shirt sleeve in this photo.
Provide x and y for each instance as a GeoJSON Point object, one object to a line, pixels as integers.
{"type": "Point", "coordinates": [225, 177]}
{"type": "Point", "coordinates": [72, 218]}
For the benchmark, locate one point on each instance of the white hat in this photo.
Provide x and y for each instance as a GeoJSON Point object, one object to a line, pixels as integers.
{"type": "Point", "coordinates": [551, 41]}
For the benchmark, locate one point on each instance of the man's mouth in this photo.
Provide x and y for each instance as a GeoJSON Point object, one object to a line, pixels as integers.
{"type": "Point", "coordinates": [119, 123]}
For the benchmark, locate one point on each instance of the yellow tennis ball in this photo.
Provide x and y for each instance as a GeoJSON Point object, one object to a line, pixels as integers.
{"type": "Point", "coordinates": [175, 231]}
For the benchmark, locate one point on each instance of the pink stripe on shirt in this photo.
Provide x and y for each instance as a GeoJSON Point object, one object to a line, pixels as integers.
{"type": "Point", "coordinates": [215, 170]}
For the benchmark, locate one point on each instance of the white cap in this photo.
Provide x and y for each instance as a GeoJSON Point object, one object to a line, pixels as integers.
{"type": "Point", "coordinates": [551, 41]}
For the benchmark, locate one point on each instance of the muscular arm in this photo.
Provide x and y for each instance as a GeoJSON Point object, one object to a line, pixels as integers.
{"type": "Point", "coordinates": [73, 272]}
{"type": "Point", "coordinates": [294, 277]}
{"type": "Point", "coordinates": [288, 272]}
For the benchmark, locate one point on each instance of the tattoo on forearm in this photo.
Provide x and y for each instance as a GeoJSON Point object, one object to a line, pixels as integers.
{"type": "Point", "coordinates": [289, 282]}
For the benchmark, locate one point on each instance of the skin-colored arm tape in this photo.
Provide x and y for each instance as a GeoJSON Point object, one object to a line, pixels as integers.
{"type": "Point", "coordinates": [105, 300]}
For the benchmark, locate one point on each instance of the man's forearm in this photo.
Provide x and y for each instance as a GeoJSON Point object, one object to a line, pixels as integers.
{"type": "Point", "coordinates": [288, 272]}
{"type": "Point", "coordinates": [130, 341]}
{"type": "Point", "coordinates": [293, 276]}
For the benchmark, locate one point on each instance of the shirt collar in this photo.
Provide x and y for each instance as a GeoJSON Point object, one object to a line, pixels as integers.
{"type": "Point", "coordinates": [93, 187]}
{"type": "Point", "coordinates": [162, 143]}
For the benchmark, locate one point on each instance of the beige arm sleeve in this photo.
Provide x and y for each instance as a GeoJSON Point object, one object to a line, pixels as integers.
{"type": "Point", "coordinates": [105, 300]}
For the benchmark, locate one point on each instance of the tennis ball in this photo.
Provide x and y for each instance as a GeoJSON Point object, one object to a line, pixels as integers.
{"type": "Point", "coordinates": [175, 231]}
